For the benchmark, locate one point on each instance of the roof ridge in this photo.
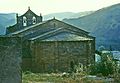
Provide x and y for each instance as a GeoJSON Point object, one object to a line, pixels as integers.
{"type": "Point", "coordinates": [73, 26]}
{"type": "Point", "coordinates": [28, 11]}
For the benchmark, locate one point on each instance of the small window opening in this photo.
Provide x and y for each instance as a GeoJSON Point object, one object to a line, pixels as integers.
{"type": "Point", "coordinates": [24, 21]}
{"type": "Point", "coordinates": [34, 20]}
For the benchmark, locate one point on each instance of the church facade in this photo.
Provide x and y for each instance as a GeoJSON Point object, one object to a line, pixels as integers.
{"type": "Point", "coordinates": [51, 46]}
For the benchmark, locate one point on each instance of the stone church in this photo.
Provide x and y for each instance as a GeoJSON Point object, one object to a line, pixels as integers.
{"type": "Point", "coordinates": [51, 45]}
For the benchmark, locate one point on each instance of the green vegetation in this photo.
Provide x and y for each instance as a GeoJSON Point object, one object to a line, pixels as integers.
{"type": "Point", "coordinates": [107, 68]}
{"type": "Point", "coordinates": [107, 65]}
{"type": "Point", "coordinates": [57, 78]}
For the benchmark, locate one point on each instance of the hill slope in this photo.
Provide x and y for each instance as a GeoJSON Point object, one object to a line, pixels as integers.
{"type": "Point", "coordinates": [9, 19]}
{"type": "Point", "coordinates": [64, 15]}
{"type": "Point", "coordinates": [6, 20]}
{"type": "Point", "coordinates": [104, 24]}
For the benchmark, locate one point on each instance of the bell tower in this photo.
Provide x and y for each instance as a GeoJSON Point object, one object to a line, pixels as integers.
{"type": "Point", "coordinates": [29, 18]}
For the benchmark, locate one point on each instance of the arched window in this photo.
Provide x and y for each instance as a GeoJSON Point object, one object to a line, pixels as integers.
{"type": "Point", "coordinates": [34, 20]}
{"type": "Point", "coordinates": [24, 21]}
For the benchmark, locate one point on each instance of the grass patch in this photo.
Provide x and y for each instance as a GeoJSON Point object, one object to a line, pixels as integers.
{"type": "Point", "coordinates": [56, 78]}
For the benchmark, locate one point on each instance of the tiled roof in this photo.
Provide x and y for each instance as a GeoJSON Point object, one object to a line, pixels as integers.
{"type": "Point", "coordinates": [60, 35]}
{"type": "Point", "coordinates": [27, 28]}
{"type": "Point", "coordinates": [45, 34]}
{"type": "Point", "coordinates": [56, 34]}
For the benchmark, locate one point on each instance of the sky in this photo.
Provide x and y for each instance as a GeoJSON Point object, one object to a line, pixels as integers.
{"type": "Point", "coordinates": [53, 6]}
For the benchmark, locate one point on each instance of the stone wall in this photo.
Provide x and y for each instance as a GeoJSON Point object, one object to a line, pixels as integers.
{"type": "Point", "coordinates": [10, 60]}
{"type": "Point", "coordinates": [56, 55]}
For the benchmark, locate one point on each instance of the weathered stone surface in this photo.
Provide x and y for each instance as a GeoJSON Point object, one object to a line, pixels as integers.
{"type": "Point", "coordinates": [52, 56]}
{"type": "Point", "coordinates": [51, 45]}
{"type": "Point", "coordinates": [10, 60]}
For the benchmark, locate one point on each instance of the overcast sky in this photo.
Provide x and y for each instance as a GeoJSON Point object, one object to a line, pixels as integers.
{"type": "Point", "coordinates": [52, 6]}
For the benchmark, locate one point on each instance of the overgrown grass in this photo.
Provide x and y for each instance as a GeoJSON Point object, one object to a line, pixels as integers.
{"type": "Point", "coordinates": [56, 78]}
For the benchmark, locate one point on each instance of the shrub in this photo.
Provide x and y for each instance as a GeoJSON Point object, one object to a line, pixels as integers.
{"type": "Point", "coordinates": [116, 77]}
{"type": "Point", "coordinates": [105, 67]}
